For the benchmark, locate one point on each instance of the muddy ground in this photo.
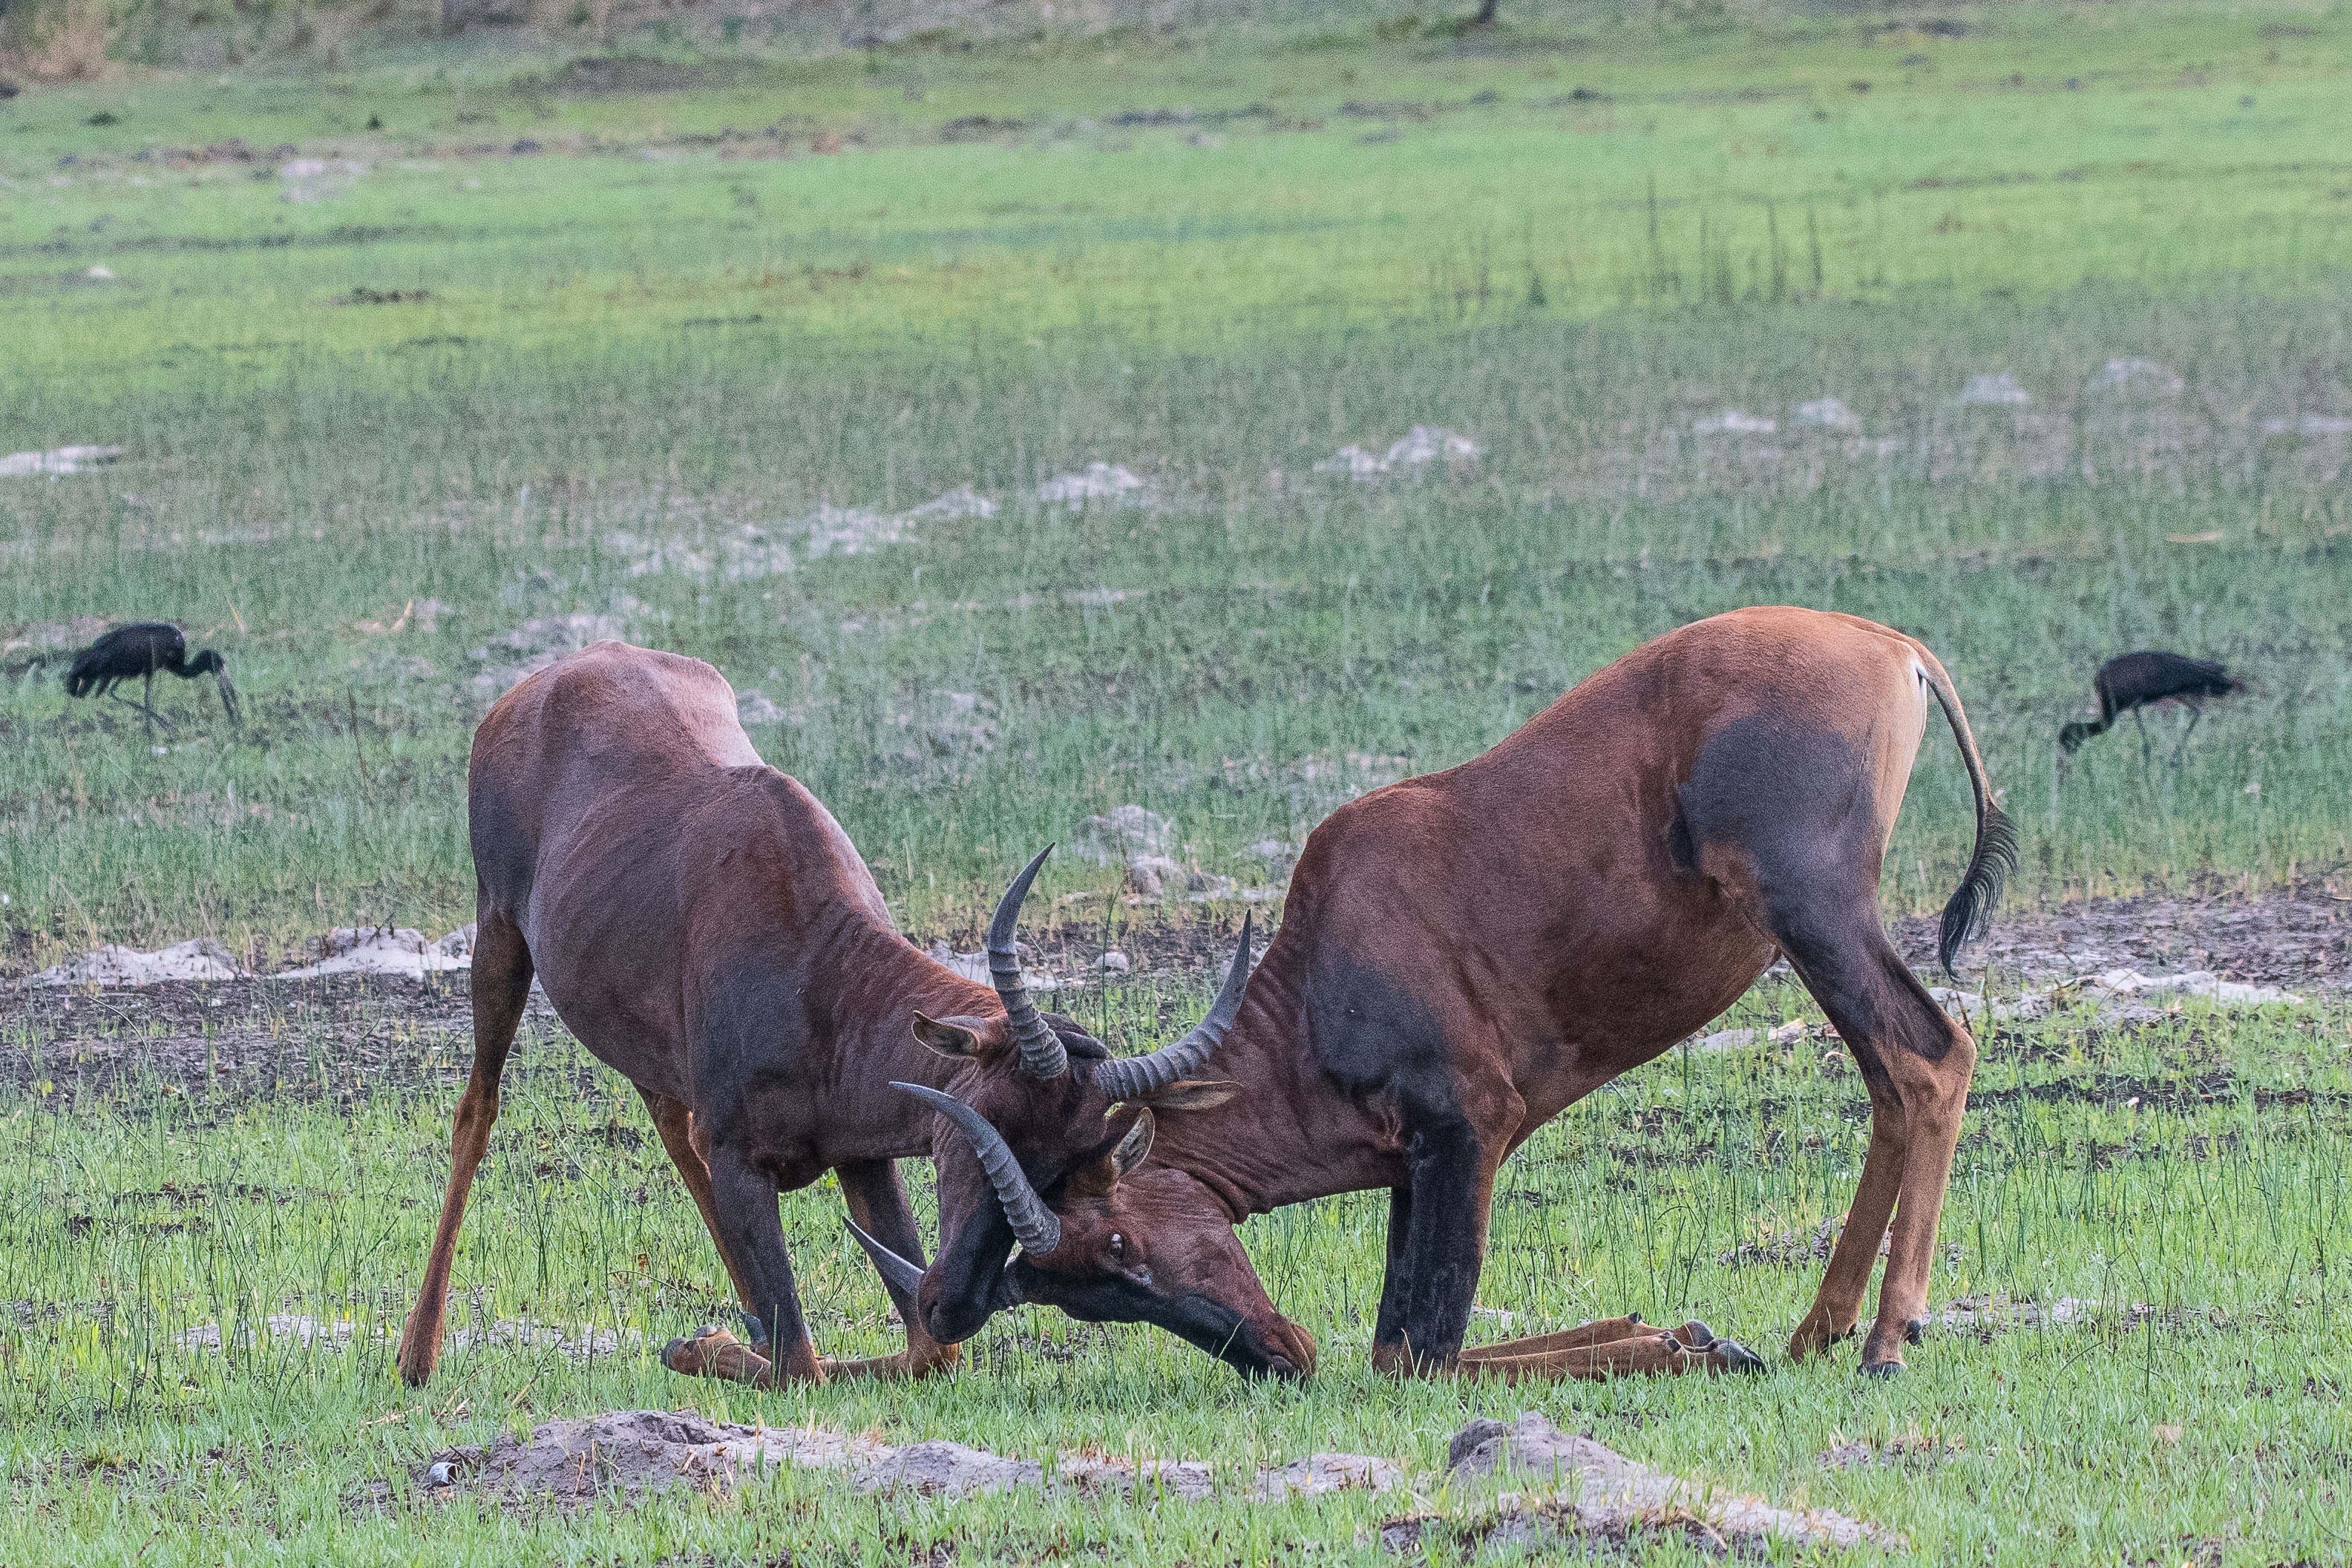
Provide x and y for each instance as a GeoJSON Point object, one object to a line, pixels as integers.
{"type": "Point", "coordinates": [336, 1036]}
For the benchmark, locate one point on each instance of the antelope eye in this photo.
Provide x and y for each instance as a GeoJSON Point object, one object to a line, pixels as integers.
{"type": "Point", "coordinates": [1118, 1245]}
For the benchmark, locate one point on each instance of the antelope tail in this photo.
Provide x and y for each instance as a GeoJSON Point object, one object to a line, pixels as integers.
{"type": "Point", "coordinates": [1970, 908]}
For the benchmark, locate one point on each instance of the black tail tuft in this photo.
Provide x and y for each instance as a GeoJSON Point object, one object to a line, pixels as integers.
{"type": "Point", "coordinates": [1966, 916]}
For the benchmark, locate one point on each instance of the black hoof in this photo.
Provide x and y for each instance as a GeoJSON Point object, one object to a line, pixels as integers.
{"type": "Point", "coordinates": [1738, 1357]}
{"type": "Point", "coordinates": [759, 1328]}
{"type": "Point", "coordinates": [1701, 1336]}
{"type": "Point", "coordinates": [1882, 1369]}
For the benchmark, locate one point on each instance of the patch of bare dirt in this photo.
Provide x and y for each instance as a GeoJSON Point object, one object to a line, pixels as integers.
{"type": "Point", "coordinates": [1585, 1493]}
{"type": "Point", "coordinates": [337, 1036]}
{"type": "Point", "coordinates": [341, 1036]}
{"type": "Point", "coordinates": [223, 1043]}
{"type": "Point", "coordinates": [2296, 938]}
{"type": "Point", "coordinates": [625, 1455]}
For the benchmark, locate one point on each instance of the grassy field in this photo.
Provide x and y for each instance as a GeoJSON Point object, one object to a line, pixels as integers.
{"type": "Point", "coordinates": [2184, 1184]}
{"type": "Point", "coordinates": [439, 357]}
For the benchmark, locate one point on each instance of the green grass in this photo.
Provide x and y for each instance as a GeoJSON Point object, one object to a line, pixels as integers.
{"type": "Point", "coordinates": [2217, 1202]}
{"type": "Point", "coordinates": [612, 346]}
{"type": "Point", "coordinates": [638, 341]}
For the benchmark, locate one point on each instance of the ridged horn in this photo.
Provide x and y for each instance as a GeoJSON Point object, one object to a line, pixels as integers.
{"type": "Point", "coordinates": [894, 1269]}
{"type": "Point", "coordinates": [1042, 1055]}
{"type": "Point", "coordinates": [1126, 1077]}
{"type": "Point", "coordinates": [1037, 1227]}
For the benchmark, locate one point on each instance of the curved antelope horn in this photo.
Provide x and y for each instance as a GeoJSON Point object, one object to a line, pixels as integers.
{"type": "Point", "coordinates": [1126, 1077]}
{"type": "Point", "coordinates": [1037, 1227]}
{"type": "Point", "coordinates": [1042, 1054]}
{"type": "Point", "coordinates": [894, 1269]}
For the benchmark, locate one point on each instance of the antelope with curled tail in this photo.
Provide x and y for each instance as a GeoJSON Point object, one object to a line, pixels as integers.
{"type": "Point", "coordinates": [1463, 956]}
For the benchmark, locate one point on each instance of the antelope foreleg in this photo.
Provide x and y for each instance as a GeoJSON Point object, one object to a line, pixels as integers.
{"type": "Point", "coordinates": [877, 1203]}
{"type": "Point", "coordinates": [715, 1353]}
{"type": "Point", "coordinates": [1641, 1353]}
{"type": "Point", "coordinates": [1604, 1331]}
{"type": "Point", "coordinates": [501, 985]}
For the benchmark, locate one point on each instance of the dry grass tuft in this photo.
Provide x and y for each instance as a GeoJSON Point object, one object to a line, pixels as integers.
{"type": "Point", "coordinates": [64, 40]}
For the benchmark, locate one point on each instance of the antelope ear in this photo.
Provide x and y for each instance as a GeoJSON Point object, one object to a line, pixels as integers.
{"type": "Point", "coordinates": [1191, 1095]}
{"type": "Point", "coordinates": [1132, 1147]}
{"type": "Point", "coordinates": [949, 1037]}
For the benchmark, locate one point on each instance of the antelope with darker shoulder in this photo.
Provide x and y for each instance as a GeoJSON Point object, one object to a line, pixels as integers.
{"type": "Point", "coordinates": [1464, 954]}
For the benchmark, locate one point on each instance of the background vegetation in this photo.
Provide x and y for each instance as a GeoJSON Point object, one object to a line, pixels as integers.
{"type": "Point", "coordinates": [540, 346]}
{"type": "Point", "coordinates": [432, 355]}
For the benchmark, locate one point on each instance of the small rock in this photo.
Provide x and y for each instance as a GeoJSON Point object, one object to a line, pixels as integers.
{"type": "Point", "coordinates": [1203, 887]}
{"type": "Point", "coordinates": [753, 707]}
{"type": "Point", "coordinates": [1425, 443]}
{"type": "Point", "coordinates": [1736, 422]}
{"type": "Point", "coordinates": [1114, 962]}
{"type": "Point", "coordinates": [1999, 390]}
{"type": "Point", "coordinates": [111, 965]}
{"type": "Point", "coordinates": [1354, 462]}
{"type": "Point", "coordinates": [1124, 832]}
{"type": "Point", "coordinates": [61, 460]}
{"type": "Point", "coordinates": [2137, 378]}
{"type": "Point", "coordinates": [1825, 413]}
{"type": "Point", "coordinates": [1151, 876]}
{"type": "Point", "coordinates": [1278, 855]}
{"type": "Point", "coordinates": [1100, 482]}
{"type": "Point", "coordinates": [378, 950]}
{"type": "Point", "coordinates": [1601, 1493]}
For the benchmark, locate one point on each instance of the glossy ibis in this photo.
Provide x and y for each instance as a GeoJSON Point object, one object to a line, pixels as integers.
{"type": "Point", "coordinates": [140, 649]}
{"type": "Point", "coordinates": [2129, 683]}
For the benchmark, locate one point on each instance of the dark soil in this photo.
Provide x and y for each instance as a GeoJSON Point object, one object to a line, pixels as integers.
{"type": "Point", "coordinates": [344, 1036]}
{"type": "Point", "coordinates": [2300, 939]}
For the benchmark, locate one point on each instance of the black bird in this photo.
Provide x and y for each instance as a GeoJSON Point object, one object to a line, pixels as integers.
{"type": "Point", "coordinates": [2130, 682]}
{"type": "Point", "coordinates": [140, 649]}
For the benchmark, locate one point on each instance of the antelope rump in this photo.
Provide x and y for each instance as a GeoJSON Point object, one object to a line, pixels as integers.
{"type": "Point", "coordinates": [1464, 954]}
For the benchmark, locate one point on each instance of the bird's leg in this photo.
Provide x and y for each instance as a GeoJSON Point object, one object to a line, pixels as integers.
{"type": "Point", "coordinates": [2196, 712]}
{"type": "Point", "coordinates": [150, 714]}
{"type": "Point", "coordinates": [2146, 747]}
{"type": "Point", "coordinates": [147, 701]}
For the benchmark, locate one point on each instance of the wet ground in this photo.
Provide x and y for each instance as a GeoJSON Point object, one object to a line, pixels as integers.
{"type": "Point", "coordinates": [338, 1037]}
{"type": "Point", "coordinates": [2299, 937]}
